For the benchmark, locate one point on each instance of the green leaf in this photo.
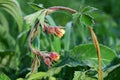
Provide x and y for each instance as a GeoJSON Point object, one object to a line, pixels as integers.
{"type": "Point", "coordinates": [52, 78]}
{"type": "Point", "coordinates": [30, 19]}
{"type": "Point", "coordinates": [6, 40]}
{"type": "Point", "coordinates": [12, 7]}
{"type": "Point", "coordinates": [76, 16]}
{"type": "Point", "coordinates": [49, 73]}
{"type": "Point", "coordinates": [54, 71]}
{"type": "Point", "coordinates": [87, 54]}
{"type": "Point", "coordinates": [37, 76]}
{"type": "Point", "coordinates": [112, 73]}
{"type": "Point", "coordinates": [67, 36]}
{"type": "Point", "coordinates": [57, 42]}
{"type": "Point", "coordinates": [88, 9]}
{"type": "Point", "coordinates": [78, 75]}
{"type": "Point", "coordinates": [3, 76]}
{"type": "Point", "coordinates": [36, 42]}
{"type": "Point", "coordinates": [86, 20]}
{"type": "Point", "coordinates": [41, 17]}
{"type": "Point", "coordinates": [20, 79]}
{"type": "Point", "coordinates": [22, 33]}
{"type": "Point", "coordinates": [3, 23]}
{"type": "Point", "coordinates": [50, 20]}
{"type": "Point", "coordinates": [111, 70]}
{"type": "Point", "coordinates": [67, 60]}
{"type": "Point", "coordinates": [36, 6]}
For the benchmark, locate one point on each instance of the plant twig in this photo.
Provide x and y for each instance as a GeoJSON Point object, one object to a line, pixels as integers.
{"type": "Point", "coordinates": [96, 44]}
{"type": "Point", "coordinates": [35, 64]}
{"type": "Point", "coordinates": [36, 61]}
{"type": "Point", "coordinates": [30, 36]}
{"type": "Point", "coordinates": [62, 8]}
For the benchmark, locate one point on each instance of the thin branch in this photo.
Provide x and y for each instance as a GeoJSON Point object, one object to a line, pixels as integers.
{"type": "Point", "coordinates": [30, 36]}
{"type": "Point", "coordinates": [29, 41]}
{"type": "Point", "coordinates": [62, 8]}
{"type": "Point", "coordinates": [34, 65]}
{"type": "Point", "coordinates": [96, 44]}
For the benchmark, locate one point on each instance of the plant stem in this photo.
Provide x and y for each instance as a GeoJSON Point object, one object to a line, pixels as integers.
{"type": "Point", "coordinates": [54, 8]}
{"type": "Point", "coordinates": [30, 36]}
{"type": "Point", "coordinates": [96, 44]}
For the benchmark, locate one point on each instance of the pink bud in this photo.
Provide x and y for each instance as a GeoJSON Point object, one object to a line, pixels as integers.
{"type": "Point", "coordinates": [54, 56]}
{"type": "Point", "coordinates": [47, 62]}
{"type": "Point", "coordinates": [51, 30]}
{"type": "Point", "coordinates": [59, 32]}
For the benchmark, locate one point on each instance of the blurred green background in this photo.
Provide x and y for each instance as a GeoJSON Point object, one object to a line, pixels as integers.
{"type": "Point", "coordinates": [14, 49]}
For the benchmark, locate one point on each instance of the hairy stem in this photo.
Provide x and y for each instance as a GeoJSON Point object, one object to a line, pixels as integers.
{"type": "Point", "coordinates": [62, 8]}
{"type": "Point", "coordinates": [30, 37]}
{"type": "Point", "coordinates": [35, 64]}
{"type": "Point", "coordinates": [96, 44]}
{"type": "Point", "coordinates": [29, 41]}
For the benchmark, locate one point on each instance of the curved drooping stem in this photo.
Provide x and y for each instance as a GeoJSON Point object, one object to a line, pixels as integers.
{"type": "Point", "coordinates": [96, 44]}
{"type": "Point", "coordinates": [30, 37]}
{"type": "Point", "coordinates": [91, 30]}
{"type": "Point", "coordinates": [54, 8]}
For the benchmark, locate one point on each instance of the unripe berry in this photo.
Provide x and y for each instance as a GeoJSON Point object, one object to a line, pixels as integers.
{"type": "Point", "coordinates": [54, 56]}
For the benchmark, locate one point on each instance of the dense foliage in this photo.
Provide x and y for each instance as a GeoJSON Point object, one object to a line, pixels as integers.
{"type": "Point", "coordinates": [78, 58]}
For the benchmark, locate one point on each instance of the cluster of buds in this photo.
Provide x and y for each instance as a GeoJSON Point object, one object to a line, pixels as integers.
{"type": "Point", "coordinates": [58, 31]}
{"type": "Point", "coordinates": [50, 57]}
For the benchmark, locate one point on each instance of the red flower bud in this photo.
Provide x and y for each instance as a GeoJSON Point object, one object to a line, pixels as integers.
{"type": "Point", "coordinates": [47, 62]}
{"type": "Point", "coordinates": [59, 32]}
{"type": "Point", "coordinates": [51, 30]}
{"type": "Point", "coordinates": [54, 56]}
